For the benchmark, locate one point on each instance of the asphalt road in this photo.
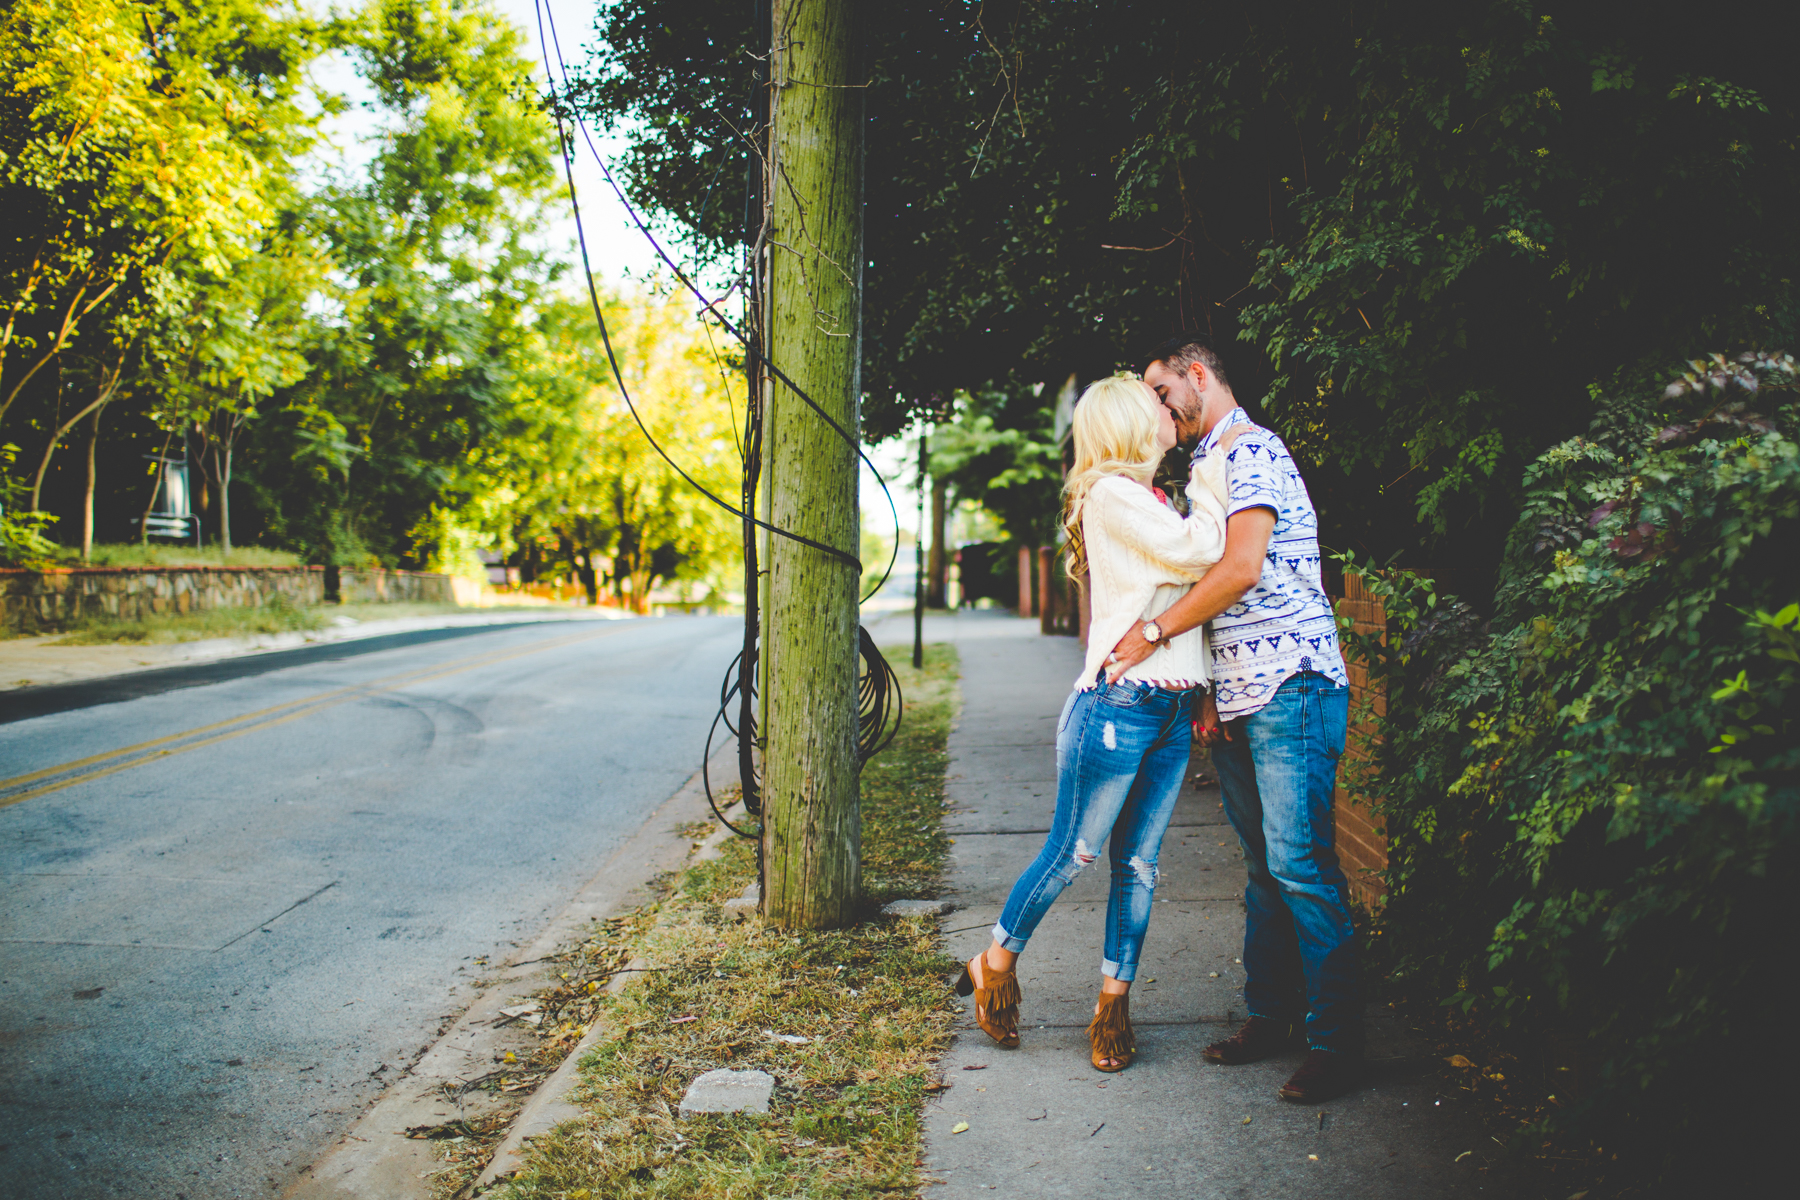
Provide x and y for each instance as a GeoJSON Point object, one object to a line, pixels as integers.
{"type": "Point", "coordinates": [215, 949]}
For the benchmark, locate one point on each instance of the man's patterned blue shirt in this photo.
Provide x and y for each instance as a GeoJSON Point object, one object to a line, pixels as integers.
{"type": "Point", "coordinates": [1283, 625]}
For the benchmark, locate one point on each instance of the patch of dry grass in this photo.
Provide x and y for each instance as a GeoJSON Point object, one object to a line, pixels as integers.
{"type": "Point", "coordinates": [160, 554]}
{"type": "Point", "coordinates": [872, 1001]}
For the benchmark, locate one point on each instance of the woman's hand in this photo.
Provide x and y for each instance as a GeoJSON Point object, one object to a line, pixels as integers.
{"type": "Point", "coordinates": [1209, 731]}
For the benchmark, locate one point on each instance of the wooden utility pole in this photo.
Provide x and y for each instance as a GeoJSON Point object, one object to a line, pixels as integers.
{"type": "Point", "coordinates": [918, 659]}
{"type": "Point", "coordinates": [812, 829]}
{"type": "Point", "coordinates": [937, 592]}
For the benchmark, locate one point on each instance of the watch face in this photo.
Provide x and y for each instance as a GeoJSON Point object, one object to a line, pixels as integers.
{"type": "Point", "coordinates": [1152, 631]}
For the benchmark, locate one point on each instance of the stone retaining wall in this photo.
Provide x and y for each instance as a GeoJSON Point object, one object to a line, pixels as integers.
{"type": "Point", "coordinates": [394, 587]}
{"type": "Point", "coordinates": [44, 601]}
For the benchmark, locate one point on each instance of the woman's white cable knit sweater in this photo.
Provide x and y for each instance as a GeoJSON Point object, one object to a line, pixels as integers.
{"type": "Point", "coordinates": [1142, 557]}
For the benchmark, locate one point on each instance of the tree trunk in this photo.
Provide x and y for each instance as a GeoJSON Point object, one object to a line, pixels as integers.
{"type": "Point", "coordinates": [812, 833]}
{"type": "Point", "coordinates": [87, 502]}
{"type": "Point", "coordinates": [590, 582]}
{"type": "Point", "coordinates": [155, 490]}
{"type": "Point", "coordinates": [99, 402]}
{"type": "Point", "coordinates": [936, 596]}
{"type": "Point", "coordinates": [222, 460]}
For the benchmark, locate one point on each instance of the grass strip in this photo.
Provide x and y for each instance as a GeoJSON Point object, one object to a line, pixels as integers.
{"type": "Point", "coordinates": [162, 554]}
{"type": "Point", "coordinates": [873, 1002]}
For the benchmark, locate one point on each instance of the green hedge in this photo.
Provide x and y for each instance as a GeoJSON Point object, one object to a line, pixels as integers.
{"type": "Point", "coordinates": [1591, 799]}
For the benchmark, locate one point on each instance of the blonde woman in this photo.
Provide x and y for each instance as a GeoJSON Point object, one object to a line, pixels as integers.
{"type": "Point", "coordinates": [1121, 747]}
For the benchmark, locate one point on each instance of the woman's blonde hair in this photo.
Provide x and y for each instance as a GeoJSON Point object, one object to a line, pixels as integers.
{"type": "Point", "coordinates": [1115, 434]}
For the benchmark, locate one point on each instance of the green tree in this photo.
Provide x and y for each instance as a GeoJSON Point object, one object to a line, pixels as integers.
{"type": "Point", "coordinates": [236, 345]}
{"type": "Point", "coordinates": [1592, 801]}
{"type": "Point", "coordinates": [141, 147]}
{"type": "Point", "coordinates": [1419, 231]}
{"type": "Point", "coordinates": [567, 474]}
{"type": "Point", "coordinates": [418, 351]}
{"type": "Point", "coordinates": [135, 140]}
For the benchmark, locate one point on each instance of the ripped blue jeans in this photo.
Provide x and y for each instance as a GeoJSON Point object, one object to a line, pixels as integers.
{"type": "Point", "coordinates": [1121, 750]}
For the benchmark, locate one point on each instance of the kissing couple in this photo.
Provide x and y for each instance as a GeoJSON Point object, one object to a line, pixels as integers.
{"type": "Point", "coordinates": [1212, 627]}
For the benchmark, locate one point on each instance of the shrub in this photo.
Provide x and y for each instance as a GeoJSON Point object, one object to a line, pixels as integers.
{"type": "Point", "coordinates": [1592, 802]}
{"type": "Point", "coordinates": [22, 540]}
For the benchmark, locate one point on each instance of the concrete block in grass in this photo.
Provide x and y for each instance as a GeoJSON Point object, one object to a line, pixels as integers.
{"type": "Point", "coordinates": [726, 1091]}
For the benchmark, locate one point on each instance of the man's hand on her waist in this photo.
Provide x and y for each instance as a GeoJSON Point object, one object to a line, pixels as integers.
{"type": "Point", "coordinates": [1246, 542]}
{"type": "Point", "coordinates": [1131, 650]}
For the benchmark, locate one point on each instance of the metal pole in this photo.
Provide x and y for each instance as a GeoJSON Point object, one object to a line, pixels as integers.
{"type": "Point", "coordinates": [919, 558]}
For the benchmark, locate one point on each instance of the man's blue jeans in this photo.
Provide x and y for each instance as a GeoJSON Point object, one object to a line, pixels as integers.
{"type": "Point", "coordinates": [1278, 773]}
{"type": "Point", "coordinates": [1120, 752]}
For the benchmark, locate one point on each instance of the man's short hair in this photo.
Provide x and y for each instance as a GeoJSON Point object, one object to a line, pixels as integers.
{"type": "Point", "coordinates": [1182, 352]}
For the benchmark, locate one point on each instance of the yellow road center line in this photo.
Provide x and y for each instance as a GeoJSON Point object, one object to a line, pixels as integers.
{"type": "Point", "coordinates": [103, 772]}
{"type": "Point", "coordinates": [399, 680]}
{"type": "Point", "coordinates": [138, 754]}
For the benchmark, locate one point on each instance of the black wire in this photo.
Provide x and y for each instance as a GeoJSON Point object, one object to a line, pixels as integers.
{"type": "Point", "coordinates": [612, 360]}
{"type": "Point", "coordinates": [706, 771]}
{"type": "Point", "coordinates": [877, 697]}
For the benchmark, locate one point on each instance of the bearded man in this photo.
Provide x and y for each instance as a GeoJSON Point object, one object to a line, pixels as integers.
{"type": "Point", "coordinates": [1276, 722]}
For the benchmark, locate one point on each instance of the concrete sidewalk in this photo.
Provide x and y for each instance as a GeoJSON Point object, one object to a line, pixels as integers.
{"type": "Point", "coordinates": [1042, 1121]}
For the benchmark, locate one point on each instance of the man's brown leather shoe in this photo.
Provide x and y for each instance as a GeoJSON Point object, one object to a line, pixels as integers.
{"type": "Point", "coordinates": [1323, 1076]}
{"type": "Point", "coordinates": [1257, 1040]}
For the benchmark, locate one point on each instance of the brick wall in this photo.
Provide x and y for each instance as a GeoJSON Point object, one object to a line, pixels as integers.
{"type": "Point", "coordinates": [1361, 844]}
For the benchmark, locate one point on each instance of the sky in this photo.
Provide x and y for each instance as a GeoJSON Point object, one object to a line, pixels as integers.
{"type": "Point", "coordinates": [618, 252]}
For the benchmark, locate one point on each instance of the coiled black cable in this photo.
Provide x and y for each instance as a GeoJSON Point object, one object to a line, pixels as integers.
{"type": "Point", "coordinates": [880, 707]}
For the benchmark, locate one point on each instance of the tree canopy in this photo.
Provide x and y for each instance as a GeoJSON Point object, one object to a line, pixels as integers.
{"type": "Point", "coordinates": [1419, 232]}
{"type": "Point", "coordinates": [363, 351]}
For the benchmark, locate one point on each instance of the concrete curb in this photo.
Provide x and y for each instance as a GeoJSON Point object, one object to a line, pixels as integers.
{"type": "Point", "coordinates": [50, 665]}
{"type": "Point", "coordinates": [549, 1106]}
{"type": "Point", "coordinates": [375, 1158]}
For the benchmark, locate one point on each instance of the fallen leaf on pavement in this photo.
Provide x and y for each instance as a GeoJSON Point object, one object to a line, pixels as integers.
{"type": "Point", "coordinates": [960, 1127]}
{"type": "Point", "coordinates": [975, 1066]}
{"type": "Point", "coordinates": [1457, 1060]}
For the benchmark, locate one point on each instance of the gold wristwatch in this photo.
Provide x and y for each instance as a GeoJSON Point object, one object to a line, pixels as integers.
{"type": "Point", "coordinates": [1153, 634]}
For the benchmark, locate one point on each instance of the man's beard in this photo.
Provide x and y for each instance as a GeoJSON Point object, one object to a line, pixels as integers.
{"type": "Point", "coordinates": [1185, 402]}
